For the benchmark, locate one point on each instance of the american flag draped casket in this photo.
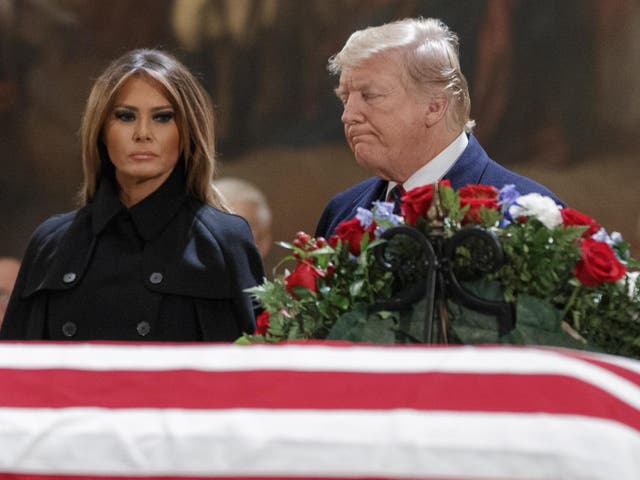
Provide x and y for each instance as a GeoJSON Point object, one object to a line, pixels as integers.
{"type": "Point", "coordinates": [113, 411]}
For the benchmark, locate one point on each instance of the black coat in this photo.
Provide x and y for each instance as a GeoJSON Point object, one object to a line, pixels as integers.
{"type": "Point", "coordinates": [168, 269]}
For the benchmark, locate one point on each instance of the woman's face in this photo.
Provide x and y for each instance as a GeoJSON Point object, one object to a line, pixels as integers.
{"type": "Point", "coordinates": [141, 136]}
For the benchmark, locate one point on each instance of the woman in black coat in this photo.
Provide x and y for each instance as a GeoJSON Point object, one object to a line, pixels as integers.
{"type": "Point", "coordinates": [152, 254]}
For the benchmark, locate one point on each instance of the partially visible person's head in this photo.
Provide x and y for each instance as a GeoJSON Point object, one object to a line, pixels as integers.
{"type": "Point", "coordinates": [404, 96]}
{"type": "Point", "coordinates": [9, 268]}
{"type": "Point", "coordinates": [193, 117]}
{"type": "Point", "coordinates": [245, 199]}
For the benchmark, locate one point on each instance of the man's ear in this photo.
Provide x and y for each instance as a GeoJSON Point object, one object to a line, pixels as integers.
{"type": "Point", "coordinates": [435, 110]}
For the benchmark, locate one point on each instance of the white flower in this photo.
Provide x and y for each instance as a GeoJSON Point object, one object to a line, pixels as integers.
{"type": "Point", "coordinates": [631, 279]}
{"type": "Point", "coordinates": [539, 207]}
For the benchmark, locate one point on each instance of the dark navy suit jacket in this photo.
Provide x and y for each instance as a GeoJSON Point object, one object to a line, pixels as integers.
{"type": "Point", "coordinates": [473, 167]}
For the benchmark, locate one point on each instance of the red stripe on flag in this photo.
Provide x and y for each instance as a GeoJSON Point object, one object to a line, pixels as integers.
{"type": "Point", "coordinates": [615, 368]}
{"type": "Point", "coordinates": [192, 389]}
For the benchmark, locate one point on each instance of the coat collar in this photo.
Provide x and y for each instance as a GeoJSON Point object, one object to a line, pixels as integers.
{"type": "Point", "coordinates": [468, 169]}
{"type": "Point", "coordinates": [150, 215]}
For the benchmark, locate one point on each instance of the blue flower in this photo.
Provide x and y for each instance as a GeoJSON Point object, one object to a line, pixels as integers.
{"type": "Point", "coordinates": [365, 217]}
{"type": "Point", "coordinates": [507, 197]}
{"type": "Point", "coordinates": [384, 217]}
{"type": "Point", "coordinates": [383, 210]}
{"type": "Point", "coordinates": [602, 236]}
{"type": "Point", "coordinates": [615, 241]}
{"type": "Point", "coordinates": [616, 237]}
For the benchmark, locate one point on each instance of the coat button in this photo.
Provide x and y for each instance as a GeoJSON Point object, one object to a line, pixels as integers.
{"type": "Point", "coordinates": [143, 328]}
{"type": "Point", "coordinates": [69, 329]}
{"type": "Point", "coordinates": [69, 277]}
{"type": "Point", "coordinates": [155, 278]}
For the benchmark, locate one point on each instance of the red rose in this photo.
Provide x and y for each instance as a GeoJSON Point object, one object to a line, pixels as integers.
{"type": "Point", "coordinates": [351, 232]}
{"type": "Point", "coordinates": [477, 196]}
{"type": "Point", "coordinates": [262, 323]}
{"type": "Point", "coordinates": [417, 201]}
{"type": "Point", "coordinates": [574, 217]}
{"type": "Point", "coordinates": [304, 275]}
{"type": "Point", "coordinates": [598, 264]}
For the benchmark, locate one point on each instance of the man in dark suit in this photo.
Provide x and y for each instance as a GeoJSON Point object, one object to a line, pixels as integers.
{"type": "Point", "coordinates": [406, 116]}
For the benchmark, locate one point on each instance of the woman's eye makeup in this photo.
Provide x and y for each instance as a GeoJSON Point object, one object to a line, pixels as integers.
{"type": "Point", "coordinates": [125, 115]}
{"type": "Point", "coordinates": [164, 116]}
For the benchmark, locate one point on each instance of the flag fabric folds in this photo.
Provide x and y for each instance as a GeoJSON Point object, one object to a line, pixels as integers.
{"type": "Point", "coordinates": [316, 410]}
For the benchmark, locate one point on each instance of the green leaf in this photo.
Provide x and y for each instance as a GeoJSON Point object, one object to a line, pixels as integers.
{"type": "Point", "coordinates": [326, 250]}
{"type": "Point", "coordinates": [375, 243]}
{"type": "Point", "coordinates": [302, 292]}
{"type": "Point", "coordinates": [448, 197]}
{"type": "Point", "coordinates": [539, 323]}
{"type": "Point", "coordinates": [471, 326]}
{"type": "Point", "coordinates": [411, 324]}
{"type": "Point", "coordinates": [487, 289]}
{"type": "Point", "coordinates": [358, 326]}
{"type": "Point", "coordinates": [380, 329]}
{"type": "Point", "coordinates": [348, 326]}
{"type": "Point", "coordinates": [244, 340]}
{"type": "Point", "coordinates": [489, 217]}
{"type": "Point", "coordinates": [535, 313]}
{"type": "Point", "coordinates": [340, 301]}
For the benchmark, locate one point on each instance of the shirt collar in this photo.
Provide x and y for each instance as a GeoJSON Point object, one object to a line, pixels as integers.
{"type": "Point", "coordinates": [151, 214]}
{"type": "Point", "coordinates": [436, 168]}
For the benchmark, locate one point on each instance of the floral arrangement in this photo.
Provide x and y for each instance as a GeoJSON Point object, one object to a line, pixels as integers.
{"type": "Point", "coordinates": [569, 281]}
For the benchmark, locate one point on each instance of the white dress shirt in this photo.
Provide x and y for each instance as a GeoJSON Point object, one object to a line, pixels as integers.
{"type": "Point", "coordinates": [436, 168]}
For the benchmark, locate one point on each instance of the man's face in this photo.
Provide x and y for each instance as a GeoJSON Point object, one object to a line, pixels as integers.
{"type": "Point", "coordinates": [384, 124]}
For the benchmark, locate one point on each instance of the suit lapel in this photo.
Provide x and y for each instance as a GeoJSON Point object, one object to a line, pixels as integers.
{"type": "Point", "coordinates": [366, 197]}
{"type": "Point", "coordinates": [377, 193]}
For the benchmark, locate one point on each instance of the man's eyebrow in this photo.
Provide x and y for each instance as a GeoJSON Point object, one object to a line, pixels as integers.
{"type": "Point", "coordinates": [342, 87]}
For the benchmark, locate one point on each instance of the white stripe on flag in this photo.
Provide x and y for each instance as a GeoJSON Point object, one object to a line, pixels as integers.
{"type": "Point", "coordinates": [273, 357]}
{"type": "Point", "coordinates": [392, 443]}
{"type": "Point", "coordinates": [320, 358]}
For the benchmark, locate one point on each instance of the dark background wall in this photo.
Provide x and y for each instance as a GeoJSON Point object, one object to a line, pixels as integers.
{"type": "Point", "coordinates": [554, 88]}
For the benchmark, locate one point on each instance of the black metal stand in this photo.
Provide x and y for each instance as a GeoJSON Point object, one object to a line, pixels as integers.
{"type": "Point", "coordinates": [424, 266]}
